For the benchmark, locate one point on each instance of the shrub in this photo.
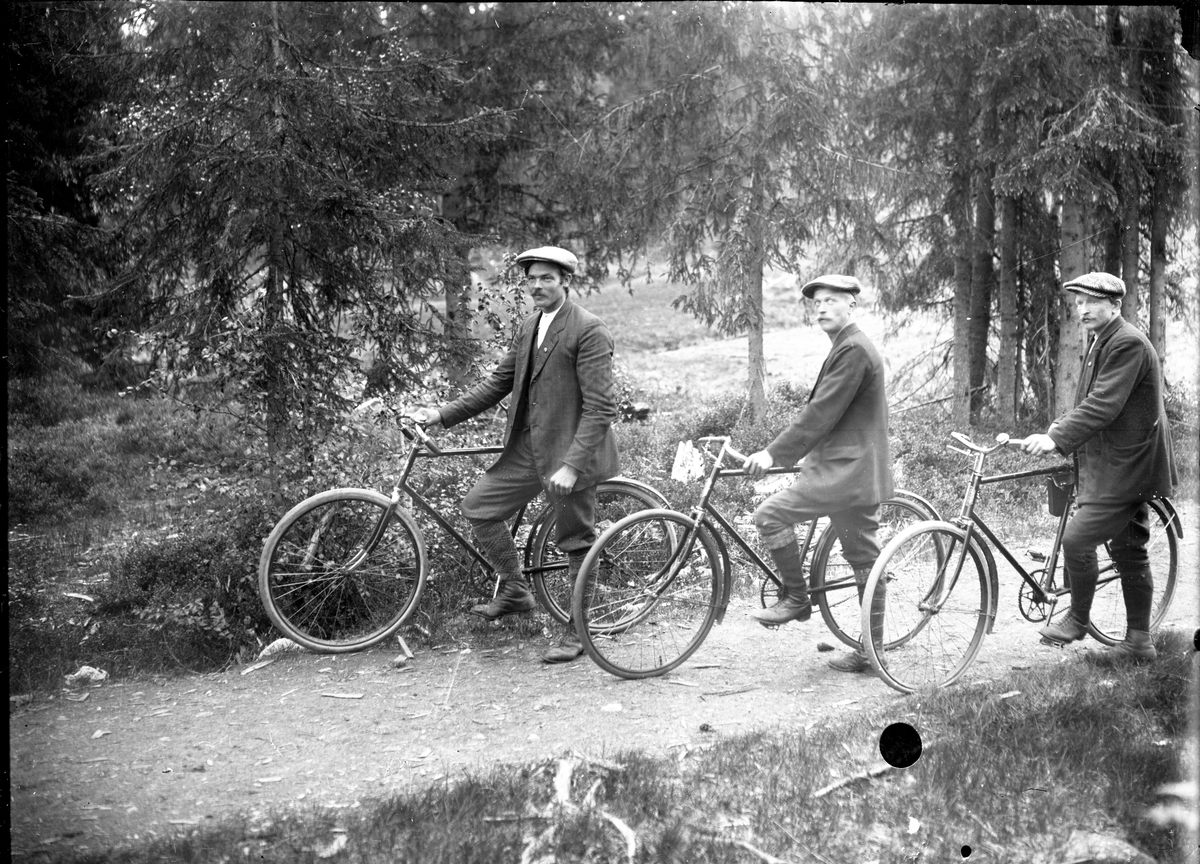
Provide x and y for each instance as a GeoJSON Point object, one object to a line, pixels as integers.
{"type": "Point", "coordinates": [50, 400]}
{"type": "Point", "coordinates": [46, 479]}
{"type": "Point", "coordinates": [201, 585]}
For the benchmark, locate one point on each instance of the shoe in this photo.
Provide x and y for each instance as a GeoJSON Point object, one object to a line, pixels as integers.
{"type": "Point", "coordinates": [785, 610]}
{"type": "Point", "coordinates": [509, 599]}
{"type": "Point", "coordinates": [1137, 647]}
{"type": "Point", "coordinates": [854, 662]}
{"type": "Point", "coordinates": [1065, 631]}
{"type": "Point", "coordinates": [570, 648]}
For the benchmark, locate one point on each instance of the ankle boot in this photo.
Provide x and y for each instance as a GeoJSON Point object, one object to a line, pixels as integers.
{"type": "Point", "coordinates": [512, 597]}
{"type": "Point", "coordinates": [793, 603]}
{"type": "Point", "coordinates": [1137, 647]}
{"type": "Point", "coordinates": [569, 647]}
{"type": "Point", "coordinates": [1064, 631]}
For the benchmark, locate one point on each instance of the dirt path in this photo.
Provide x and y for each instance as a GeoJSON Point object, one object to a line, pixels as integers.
{"type": "Point", "coordinates": [141, 759]}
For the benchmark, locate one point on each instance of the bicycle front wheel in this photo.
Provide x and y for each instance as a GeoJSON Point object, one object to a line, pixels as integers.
{"type": "Point", "coordinates": [1108, 608]}
{"type": "Point", "coordinates": [334, 578]}
{"type": "Point", "coordinates": [936, 607]}
{"type": "Point", "coordinates": [647, 593]}
{"type": "Point", "coordinates": [831, 577]}
{"type": "Point", "coordinates": [552, 583]}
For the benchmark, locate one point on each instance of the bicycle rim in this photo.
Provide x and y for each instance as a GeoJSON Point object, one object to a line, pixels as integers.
{"type": "Point", "coordinates": [839, 601]}
{"type": "Point", "coordinates": [1108, 622]}
{"type": "Point", "coordinates": [935, 618]}
{"type": "Point", "coordinates": [647, 594]}
{"type": "Point", "coordinates": [615, 499]}
{"type": "Point", "coordinates": [323, 590]}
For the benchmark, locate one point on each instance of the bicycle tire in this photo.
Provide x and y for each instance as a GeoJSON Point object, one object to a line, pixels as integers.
{"type": "Point", "coordinates": [615, 499]}
{"type": "Point", "coordinates": [1108, 621]}
{"type": "Point", "coordinates": [838, 601]}
{"type": "Point", "coordinates": [647, 593]}
{"type": "Point", "coordinates": [935, 617]}
{"type": "Point", "coordinates": [319, 588]}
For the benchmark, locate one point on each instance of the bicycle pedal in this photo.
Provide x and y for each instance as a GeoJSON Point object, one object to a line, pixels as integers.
{"type": "Point", "coordinates": [1053, 643]}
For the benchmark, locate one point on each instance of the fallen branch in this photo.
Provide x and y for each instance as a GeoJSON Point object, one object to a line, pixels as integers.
{"type": "Point", "coordinates": [626, 832]}
{"type": "Point", "coordinates": [765, 856]}
{"type": "Point", "coordinates": [869, 774]}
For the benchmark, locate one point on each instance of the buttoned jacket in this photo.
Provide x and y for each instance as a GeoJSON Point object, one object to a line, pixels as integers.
{"type": "Point", "coordinates": [842, 431]}
{"type": "Point", "coordinates": [566, 397]}
{"type": "Point", "coordinates": [1118, 429]}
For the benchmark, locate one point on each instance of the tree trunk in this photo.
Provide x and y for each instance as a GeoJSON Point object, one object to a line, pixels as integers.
{"type": "Point", "coordinates": [275, 341]}
{"type": "Point", "coordinates": [1159, 220]}
{"type": "Point", "coordinates": [982, 277]}
{"type": "Point", "coordinates": [1006, 358]}
{"type": "Point", "coordinates": [1130, 193]}
{"type": "Point", "coordinates": [1072, 262]}
{"type": "Point", "coordinates": [961, 356]}
{"type": "Point", "coordinates": [756, 391]}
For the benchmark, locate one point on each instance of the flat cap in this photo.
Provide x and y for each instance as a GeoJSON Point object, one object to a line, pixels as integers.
{"type": "Point", "coordinates": [1097, 285]}
{"type": "Point", "coordinates": [551, 255]}
{"type": "Point", "coordinates": [833, 281]}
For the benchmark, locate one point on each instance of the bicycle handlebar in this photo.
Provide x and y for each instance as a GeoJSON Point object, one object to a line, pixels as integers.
{"type": "Point", "coordinates": [1002, 440]}
{"type": "Point", "coordinates": [726, 446]}
{"type": "Point", "coordinates": [418, 432]}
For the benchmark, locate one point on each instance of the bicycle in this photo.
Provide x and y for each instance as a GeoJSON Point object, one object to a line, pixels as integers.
{"type": "Point", "coordinates": [942, 586]}
{"type": "Point", "coordinates": [345, 569]}
{"type": "Point", "coordinates": [654, 583]}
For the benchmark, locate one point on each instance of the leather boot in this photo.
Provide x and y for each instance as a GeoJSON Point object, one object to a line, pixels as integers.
{"type": "Point", "coordinates": [512, 597]}
{"type": "Point", "coordinates": [793, 603]}
{"type": "Point", "coordinates": [1064, 631]}
{"type": "Point", "coordinates": [569, 647]}
{"type": "Point", "coordinates": [857, 660]}
{"type": "Point", "coordinates": [1137, 647]}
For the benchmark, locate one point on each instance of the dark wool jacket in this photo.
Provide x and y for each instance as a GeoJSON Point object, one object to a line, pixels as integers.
{"type": "Point", "coordinates": [1118, 429]}
{"type": "Point", "coordinates": [567, 398]}
{"type": "Point", "coordinates": [842, 431]}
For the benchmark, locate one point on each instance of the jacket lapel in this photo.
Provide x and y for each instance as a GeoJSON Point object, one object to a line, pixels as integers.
{"type": "Point", "coordinates": [548, 343]}
{"type": "Point", "coordinates": [845, 334]}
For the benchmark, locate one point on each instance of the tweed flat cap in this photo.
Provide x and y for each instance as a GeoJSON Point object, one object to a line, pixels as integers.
{"type": "Point", "coordinates": [1097, 285]}
{"type": "Point", "coordinates": [834, 281]}
{"type": "Point", "coordinates": [549, 254]}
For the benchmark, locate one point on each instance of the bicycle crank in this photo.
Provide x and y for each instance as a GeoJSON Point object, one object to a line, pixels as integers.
{"type": "Point", "coordinates": [1033, 609]}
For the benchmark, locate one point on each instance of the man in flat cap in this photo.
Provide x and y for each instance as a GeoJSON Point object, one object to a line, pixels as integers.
{"type": "Point", "coordinates": [558, 437]}
{"type": "Point", "coordinates": [1120, 436]}
{"type": "Point", "coordinates": [842, 436]}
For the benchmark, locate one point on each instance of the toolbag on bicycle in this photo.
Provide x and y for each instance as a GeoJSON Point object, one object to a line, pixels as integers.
{"type": "Point", "coordinates": [1058, 492]}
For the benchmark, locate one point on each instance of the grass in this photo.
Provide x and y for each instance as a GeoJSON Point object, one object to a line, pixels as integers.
{"type": "Point", "coordinates": [1009, 769]}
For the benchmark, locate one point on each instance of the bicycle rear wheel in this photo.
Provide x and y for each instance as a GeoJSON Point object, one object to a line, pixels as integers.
{"type": "Point", "coordinates": [831, 578]}
{"type": "Point", "coordinates": [615, 499]}
{"type": "Point", "coordinates": [1108, 607]}
{"type": "Point", "coordinates": [936, 611]}
{"type": "Point", "coordinates": [647, 593]}
{"type": "Point", "coordinates": [321, 585]}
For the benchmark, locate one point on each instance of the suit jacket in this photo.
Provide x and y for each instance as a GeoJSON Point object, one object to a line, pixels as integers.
{"type": "Point", "coordinates": [567, 396]}
{"type": "Point", "coordinates": [843, 428]}
{"type": "Point", "coordinates": [1118, 429]}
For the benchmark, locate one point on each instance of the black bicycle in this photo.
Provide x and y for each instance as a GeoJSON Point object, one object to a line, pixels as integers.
{"type": "Point", "coordinates": [942, 589]}
{"type": "Point", "coordinates": [654, 583]}
{"type": "Point", "coordinates": [345, 569]}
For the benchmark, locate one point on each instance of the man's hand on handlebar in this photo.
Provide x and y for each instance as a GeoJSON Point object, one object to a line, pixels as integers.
{"type": "Point", "coordinates": [757, 464]}
{"type": "Point", "coordinates": [426, 416]}
{"type": "Point", "coordinates": [1039, 445]}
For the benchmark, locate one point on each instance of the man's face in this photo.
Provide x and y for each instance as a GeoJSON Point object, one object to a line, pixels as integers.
{"type": "Point", "coordinates": [547, 285]}
{"type": "Point", "coordinates": [833, 309]}
{"type": "Point", "coordinates": [1095, 312]}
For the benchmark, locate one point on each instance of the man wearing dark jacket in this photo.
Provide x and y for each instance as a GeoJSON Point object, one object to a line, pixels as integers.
{"type": "Point", "coordinates": [842, 436]}
{"type": "Point", "coordinates": [558, 436]}
{"type": "Point", "coordinates": [1121, 439]}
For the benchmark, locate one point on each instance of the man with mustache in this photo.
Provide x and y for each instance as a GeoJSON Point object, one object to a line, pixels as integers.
{"type": "Point", "coordinates": [842, 436]}
{"type": "Point", "coordinates": [558, 437]}
{"type": "Point", "coordinates": [1120, 436]}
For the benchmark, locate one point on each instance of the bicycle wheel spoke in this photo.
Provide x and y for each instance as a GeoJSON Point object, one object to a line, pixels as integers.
{"type": "Point", "coordinates": [935, 615]}
{"type": "Point", "coordinates": [646, 604]}
{"type": "Point", "coordinates": [839, 601]}
{"type": "Point", "coordinates": [615, 499]}
{"type": "Point", "coordinates": [320, 584]}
